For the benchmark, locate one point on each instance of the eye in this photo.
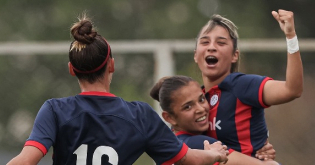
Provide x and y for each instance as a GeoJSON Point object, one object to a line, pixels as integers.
{"type": "Point", "coordinates": [202, 99]}
{"type": "Point", "coordinates": [187, 107]}
{"type": "Point", "coordinates": [204, 42]}
{"type": "Point", "coordinates": [221, 43]}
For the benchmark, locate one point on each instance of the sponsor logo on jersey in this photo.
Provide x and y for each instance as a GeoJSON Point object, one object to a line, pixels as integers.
{"type": "Point", "coordinates": [213, 125]}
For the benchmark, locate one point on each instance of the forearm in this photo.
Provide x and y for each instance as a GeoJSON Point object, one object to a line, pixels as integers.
{"type": "Point", "coordinates": [198, 157]}
{"type": "Point", "coordinates": [237, 158]}
{"type": "Point", "coordinates": [294, 75]}
{"type": "Point", "coordinates": [29, 156]}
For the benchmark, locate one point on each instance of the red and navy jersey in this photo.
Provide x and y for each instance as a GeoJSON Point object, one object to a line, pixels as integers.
{"type": "Point", "coordinates": [100, 128]}
{"type": "Point", "coordinates": [196, 141]}
{"type": "Point", "coordinates": [237, 112]}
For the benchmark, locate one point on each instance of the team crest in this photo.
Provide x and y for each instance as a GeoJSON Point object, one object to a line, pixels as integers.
{"type": "Point", "coordinates": [214, 100]}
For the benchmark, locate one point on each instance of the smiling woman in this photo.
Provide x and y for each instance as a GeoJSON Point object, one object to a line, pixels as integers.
{"type": "Point", "coordinates": [186, 109]}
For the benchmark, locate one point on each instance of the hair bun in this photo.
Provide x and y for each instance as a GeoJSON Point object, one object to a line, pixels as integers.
{"type": "Point", "coordinates": [83, 31]}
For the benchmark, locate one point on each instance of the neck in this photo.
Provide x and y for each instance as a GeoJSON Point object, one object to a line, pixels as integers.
{"type": "Point", "coordinates": [96, 86]}
{"type": "Point", "coordinates": [210, 82]}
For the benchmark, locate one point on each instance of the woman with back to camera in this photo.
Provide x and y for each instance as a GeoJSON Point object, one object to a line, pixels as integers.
{"type": "Point", "coordinates": [185, 107]}
{"type": "Point", "coordinates": [96, 127]}
{"type": "Point", "coordinates": [237, 100]}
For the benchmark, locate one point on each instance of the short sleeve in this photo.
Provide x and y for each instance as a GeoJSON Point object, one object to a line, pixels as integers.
{"type": "Point", "coordinates": [161, 143]}
{"type": "Point", "coordinates": [248, 88]}
{"type": "Point", "coordinates": [196, 142]}
{"type": "Point", "coordinates": [44, 130]}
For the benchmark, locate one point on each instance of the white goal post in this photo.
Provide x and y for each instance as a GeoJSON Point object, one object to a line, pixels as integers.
{"type": "Point", "coordinates": [162, 50]}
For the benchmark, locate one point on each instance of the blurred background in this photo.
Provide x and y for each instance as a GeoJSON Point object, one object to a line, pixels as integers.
{"type": "Point", "coordinates": [145, 35]}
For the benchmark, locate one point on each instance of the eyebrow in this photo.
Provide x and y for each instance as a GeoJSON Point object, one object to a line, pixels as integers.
{"type": "Point", "coordinates": [190, 102]}
{"type": "Point", "coordinates": [206, 37]}
{"type": "Point", "coordinates": [187, 103]}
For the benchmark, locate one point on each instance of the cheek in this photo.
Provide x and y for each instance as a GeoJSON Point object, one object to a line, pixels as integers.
{"type": "Point", "coordinates": [198, 57]}
{"type": "Point", "coordinates": [206, 106]}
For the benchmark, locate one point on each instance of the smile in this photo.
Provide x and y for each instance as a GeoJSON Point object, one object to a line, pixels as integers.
{"type": "Point", "coordinates": [201, 119]}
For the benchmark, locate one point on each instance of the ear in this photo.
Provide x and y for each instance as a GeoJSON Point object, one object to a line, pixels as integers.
{"type": "Point", "coordinates": [71, 69]}
{"type": "Point", "coordinates": [169, 118]}
{"type": "Point", "coordinates": [111, 65]}
{"type": "Point", "coordinates": [195, 56]}
{"type": "Point", "coordinates": [235, 56]}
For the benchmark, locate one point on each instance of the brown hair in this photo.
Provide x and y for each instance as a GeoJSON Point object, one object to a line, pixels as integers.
{"type": "Point", "coordinates": [218, 20]}
{"type": "Point", "coordinates": [89, 52]}
{"type": "Point", "coordinates": [163, 90]}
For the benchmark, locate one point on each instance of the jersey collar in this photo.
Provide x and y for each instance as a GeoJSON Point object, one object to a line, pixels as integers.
{"type": "Point", "coordinates": [183, 133]}
{"type": "Point", "coordinates": [96, 93]}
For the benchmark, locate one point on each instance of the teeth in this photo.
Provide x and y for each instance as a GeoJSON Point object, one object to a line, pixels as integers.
{"type": "Point", "coordinates": [202, 118]}
{"type": "Point", "coordinates": [211, 57]}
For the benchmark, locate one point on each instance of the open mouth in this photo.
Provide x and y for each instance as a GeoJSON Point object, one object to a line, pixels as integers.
{"type": "Point", "coordinates": [211, 60]}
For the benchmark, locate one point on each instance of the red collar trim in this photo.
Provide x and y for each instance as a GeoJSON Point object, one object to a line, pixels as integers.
{"type": "Point", "coordinates": [183, 133]}
{"type": "Point", "coordinates": [95, 93]}
{"type": "Point", "coordinates": [204, 89]}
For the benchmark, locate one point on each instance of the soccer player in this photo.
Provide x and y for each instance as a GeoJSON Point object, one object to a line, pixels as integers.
{"type": "Point", "coordinates": [237, 100]}
{"type": "Point", "coordinates": [96, 127]}
{"type": "Point", "coordinates": [185, 107]}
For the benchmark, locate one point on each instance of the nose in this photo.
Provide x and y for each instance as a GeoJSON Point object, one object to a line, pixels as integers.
{"type": "Point", "coordinates": [211, 47]}
{"type": "Point", "coordinates": [200, 108]}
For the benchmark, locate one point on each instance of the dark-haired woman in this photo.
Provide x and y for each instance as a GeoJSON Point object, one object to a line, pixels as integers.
{"type": "Point", "coordinates": [185, 107]}
{"type": "Point", "coordinates": [95, 127]}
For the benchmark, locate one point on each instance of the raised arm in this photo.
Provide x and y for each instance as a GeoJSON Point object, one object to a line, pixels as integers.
{"type": "Point", "coordinates": [278, 92]}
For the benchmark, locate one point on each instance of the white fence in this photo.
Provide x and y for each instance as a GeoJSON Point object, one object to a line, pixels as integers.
{"type": "Point", "coordinates": [161, 49]}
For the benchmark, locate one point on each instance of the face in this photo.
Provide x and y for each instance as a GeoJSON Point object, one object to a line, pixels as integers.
{"type": "Point", "coordinates": [214, 53]}
{"type": "Point", "coordinates": [190, 108]}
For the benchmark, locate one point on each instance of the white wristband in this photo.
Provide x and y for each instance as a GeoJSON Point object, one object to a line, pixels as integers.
{"type": "Point", "coordinates": [293, 45]}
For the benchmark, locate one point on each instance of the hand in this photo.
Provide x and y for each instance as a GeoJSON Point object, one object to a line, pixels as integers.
{"type": "Point", "coordinates": [219, 149]}
{"type": "Point", "coordinates": [267, 152]}
{"type": "Point", "coordinates": [286, 22]}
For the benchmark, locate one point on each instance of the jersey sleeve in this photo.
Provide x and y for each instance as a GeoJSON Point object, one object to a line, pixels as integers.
{"type": "Point", "coordinates": [44, 130]}
{"type": "Point", "coordinates": [162, 145]}
{"type": "Point", "coordinates": [248, 88]}
{"type": "Point", "coordinates": [196, 142]}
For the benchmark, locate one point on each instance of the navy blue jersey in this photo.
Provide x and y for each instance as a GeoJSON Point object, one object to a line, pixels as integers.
{"type": "Point", "coordinates": [97, 128]}
{"type": "Point", "coordinates": [237, 112]}
{"type": "Point", "coordinates": [196, 141]}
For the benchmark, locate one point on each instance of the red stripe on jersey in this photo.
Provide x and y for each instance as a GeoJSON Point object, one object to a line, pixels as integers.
{"type": "Point", "coordinates": [214, 98]}
{"type": "Point", "coordinates": [178, 157]}
{"type": "Point", "coordinates": [261, 88]}
{"type": "Point", "coordinates": [36, 144]}
{"type": "Point", "coordinates": [242, 122]}
{"type": "Point", "coordinates": [184, 132]}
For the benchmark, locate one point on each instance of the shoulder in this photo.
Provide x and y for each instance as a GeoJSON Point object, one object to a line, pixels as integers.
{"type": "Point", "coordinates": [240, 76]}
{"type": "Point", "coordinates": [139, 106]}
{"type": "Point", "coordinates": [237, 78]}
